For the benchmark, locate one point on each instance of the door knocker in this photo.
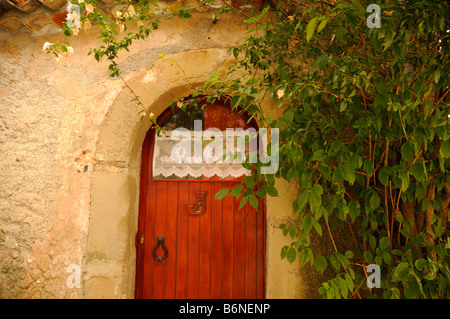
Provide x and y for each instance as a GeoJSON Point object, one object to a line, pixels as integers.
{"type": "Point", "coordinates": [160, 241]}
{"type": "Point", "coordinates": [198, 207]}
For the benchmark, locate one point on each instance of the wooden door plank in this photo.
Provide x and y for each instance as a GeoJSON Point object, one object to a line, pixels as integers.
{"type": "Point", "coordinates": [216, 242]}
{"type": "Point", "coordinates": [160, 229]}
{"type": "Point", "coordinates": [194, 245]}
{"type": "Point", "coordinates": [260, 248]}
{"type": "Point", "coordinates": [227, 244]}
{"type": "Point", "coordinates": [182, 242]}
{"type": "Point", "coordinates": [239, 250]}
{"type": "Point", "coordinates": [171, 240]}
{"type": "Point", "coordinates": [250, 252]}
{"type": "Point", "coordinates": [205, 246]}
{"type": "Point", "coordinates": [148, 278]}
{"type": "Point", "coordinates": [140, 249]}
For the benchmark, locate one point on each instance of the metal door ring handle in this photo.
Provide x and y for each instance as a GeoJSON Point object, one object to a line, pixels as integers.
{"type": "Point", "coordinates": [160, 241]}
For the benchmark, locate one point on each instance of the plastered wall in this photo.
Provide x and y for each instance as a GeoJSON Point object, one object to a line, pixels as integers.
{"type": "Point", "coordinates": [70, 149]}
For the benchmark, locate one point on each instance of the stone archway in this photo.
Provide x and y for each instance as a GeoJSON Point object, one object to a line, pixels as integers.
{"type": "Point", "coordinates": [109, 263]}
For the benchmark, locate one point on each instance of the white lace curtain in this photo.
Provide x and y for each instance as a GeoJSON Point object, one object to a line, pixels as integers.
{"type": "Point", "coordinates": [180, 154]}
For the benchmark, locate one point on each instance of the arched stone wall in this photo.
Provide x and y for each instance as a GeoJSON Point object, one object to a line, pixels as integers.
{"type": "Point", "coordinates": [110, 261]}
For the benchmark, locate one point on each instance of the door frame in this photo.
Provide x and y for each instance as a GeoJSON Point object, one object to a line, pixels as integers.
{"type": "Point", "coordinates": [147, 156]}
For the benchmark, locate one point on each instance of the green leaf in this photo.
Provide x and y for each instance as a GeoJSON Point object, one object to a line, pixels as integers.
{"type": "Point", "coordinates": [418, 170]}
{"type": "Point", "coordinates": [237, 190]}
{"type": "Point", "coordinates": [374, 201]}
{"type": "Point", "coordinates": [368, 167]}
{"type": "Point", "coordinates": [343, 260]}
{"type": "Point", "coordinates": [437, 75]}
{"type": "Point", "coordinates": [322, 25]}
{"type": "Point", "coordinates": [372, 242]}
{"type": "Point", "coordinates": [368, 256]}
{"type": "Point", "coordinates": [359, 7]}
{"type": "Point", "coordinates": [310, 28]}
{"type": "Point", "coordinates": [318, 155]}
{"type": "Point", "coordinates": [407, 151]}
{"type": "Point", "coordinates": [384, 243]}
{"type": "Point", "coordinates": [302, 200]}
{"type": "Point", "coordinates": [317, 227]}
{"type": "Point", "coordinates": [307, 223]}
{"type": "Point", "coordinates": [320, 263]}
{"type": "Point", "coordinates": [305, 255]}
{"type": "Point", "coordinates": [253, 201]}
{"type": "Point", "coordinates": [349, 175]}
{"type": "Point", "coordinates": [284, 251]}
{"type": "Point", "coordinates": [404, 176]}
{"type": "Point", "coordinates": [242, 202]}
{"type": "Point", "coordinates": [315, 199]}
{"type": "Point", "coordinates": [420, 264]}
{"type": "Point", "coordinates": [349, 281]}
{"type": "Point", "coordinates": [272, 191]}
{"type": "Point", "coordinates": [249, 181]}
{"type": "Point", "coordinates": [292, 232]}
{"type": "Point", "coordinates": [222, 193]}
{"type": "Point", "coordinates": [291, 254]}
{"type": "Point", "coordinates": [383, 176]}
{"type": "Point", "coordinates": [445, 148]}
{"type": "Point", "coordinates": [354, 209]}
{"type": "Point", "coordinates": [412, 287]}
{"type": "Point", "coordinates": [400, 272]}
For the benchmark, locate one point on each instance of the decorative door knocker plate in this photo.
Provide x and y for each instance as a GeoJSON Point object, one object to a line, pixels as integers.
{"type": "Point", "coordinates": [198, 207]}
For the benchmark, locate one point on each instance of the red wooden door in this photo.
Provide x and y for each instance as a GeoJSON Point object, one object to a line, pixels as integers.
{"type": "Point", "coordinates": [219, 253]}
